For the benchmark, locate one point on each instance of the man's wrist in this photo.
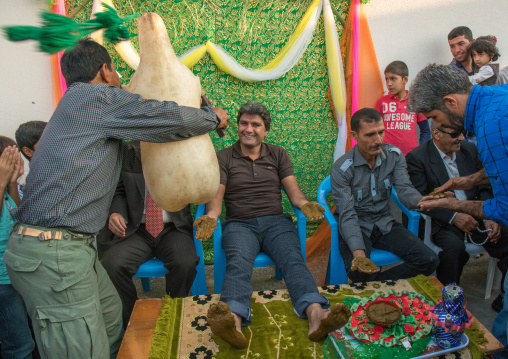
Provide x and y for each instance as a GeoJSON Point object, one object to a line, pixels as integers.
{"type": "Point", "coordinates": [359, 253]}
{"type": "Point", "coordinates": [477, 178]}
{"type": "Point", "coordinates": [453, 204]}
{"type": "Point", "coordinates": [119, 214]}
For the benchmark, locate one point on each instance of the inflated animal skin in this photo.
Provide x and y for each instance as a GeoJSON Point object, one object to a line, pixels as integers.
{"type": "Point", "coordinates": [182, 172]}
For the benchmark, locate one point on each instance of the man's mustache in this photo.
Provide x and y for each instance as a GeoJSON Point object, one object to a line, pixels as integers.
{"type": "Point", "coordinates": [375, 147]}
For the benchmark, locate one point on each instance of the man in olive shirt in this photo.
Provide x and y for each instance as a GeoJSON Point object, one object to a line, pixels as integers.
{"type": "Point", "coordinates": [251, 173]}
{"type": "Point", "coordinates": [362, 181]}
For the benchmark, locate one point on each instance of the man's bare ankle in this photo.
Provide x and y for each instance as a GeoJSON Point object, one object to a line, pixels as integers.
{"type": "Point", "coordinates": [311, 308]}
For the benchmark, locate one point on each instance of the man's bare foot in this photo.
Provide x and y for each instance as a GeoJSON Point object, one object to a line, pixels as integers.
{"type": "Point", "coordinates": [223, 324]}
{"type": "Point", "coordinates": [323, 321]}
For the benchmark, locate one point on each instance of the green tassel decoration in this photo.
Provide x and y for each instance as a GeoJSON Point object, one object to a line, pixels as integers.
{"type": "Point", "coordinates": [115, 31]}
{"type": "Point", "coordinates": [21, 33]}
{"type": "Point", "coordinates": [59, 33]}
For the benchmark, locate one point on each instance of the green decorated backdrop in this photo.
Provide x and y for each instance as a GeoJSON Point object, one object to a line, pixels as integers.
{"type": "Point", "coordinates": [253, 32]}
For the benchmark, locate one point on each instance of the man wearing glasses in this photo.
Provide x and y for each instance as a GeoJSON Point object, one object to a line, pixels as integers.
{"type": "Point", "coordinates": [430, 166]}
{"type": "Point", "coordinates": [442, 93]}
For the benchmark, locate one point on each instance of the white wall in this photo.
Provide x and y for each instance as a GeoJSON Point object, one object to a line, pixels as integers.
{"type": "Point", "coordinates": [415, 31]}
{"type": "Point", "coordinates": [25, 74]}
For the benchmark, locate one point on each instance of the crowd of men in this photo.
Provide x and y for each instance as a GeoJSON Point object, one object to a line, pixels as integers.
{"type": "Point", "coordinates": [85, 182]}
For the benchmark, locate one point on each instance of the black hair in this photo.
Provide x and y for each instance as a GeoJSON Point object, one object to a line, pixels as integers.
{"type": "Point", "coordinates": [255, 108]}
{"type": "Point", "coordinates": [28, 134]}
{"type": "Point", "coordinates": [6, 142]}
{"type": "Point", "coordinates": [366, 114]}
{"type": "Point", "coordinates": [398, 68]}
{"type": "Point", "coordinates": [485, 44]}
{"type": "Point", "coordinates": [82, 63]}
{"type": "Point", "coordinates": [461, 31]}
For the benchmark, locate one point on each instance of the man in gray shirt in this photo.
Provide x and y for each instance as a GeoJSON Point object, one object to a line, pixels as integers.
{"type": "Point", "coordinates": [362, 181]}
{"type": "Point", "coordinates": [75, 309]}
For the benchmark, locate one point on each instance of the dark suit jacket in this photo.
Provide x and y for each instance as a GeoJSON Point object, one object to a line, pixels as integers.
{"type": "Point", "coordinates": [129, 201]}
{"type": "Point", "coordinates": [427, 171]}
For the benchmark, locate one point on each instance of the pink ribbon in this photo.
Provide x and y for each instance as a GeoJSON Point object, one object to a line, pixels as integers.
{"type": "Point", "coordinates": [355, 82]}
{"type": "Point", "coordinates": [59, 8]}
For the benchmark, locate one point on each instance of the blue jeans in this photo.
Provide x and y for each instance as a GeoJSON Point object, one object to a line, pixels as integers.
{"type": "Point", "coordinates": [418, 258]}
{"type": "Point", "coordinates": [500, 326]}
{"type": "Point", "coordinates": [242, 240]}
{"type": "Point", "coordinates": [15, 334]}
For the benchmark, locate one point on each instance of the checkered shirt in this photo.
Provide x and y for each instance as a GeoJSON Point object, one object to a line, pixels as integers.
{"type": "Point", "coordinates": [76, 167]}
{"type": "Point", "coordinates": [487, 117]}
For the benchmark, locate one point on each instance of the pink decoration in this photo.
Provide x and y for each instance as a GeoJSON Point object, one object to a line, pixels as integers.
{"type": "Point", "coordinates": [60, 9]}
{"type": "Point", "coordinates": [355, 83]}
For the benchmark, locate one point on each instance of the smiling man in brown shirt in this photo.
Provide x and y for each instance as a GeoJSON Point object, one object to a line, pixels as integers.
{"type": "Point", "coordinates": [251, 174]}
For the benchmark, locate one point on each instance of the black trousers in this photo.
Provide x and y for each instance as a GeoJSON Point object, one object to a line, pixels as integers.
{"type": "Point", "coordinates": [418, 258]}
{"type": "Point", "coordinates": [175, 249]}
{"type": "Point", "coordinates": [453, 256]}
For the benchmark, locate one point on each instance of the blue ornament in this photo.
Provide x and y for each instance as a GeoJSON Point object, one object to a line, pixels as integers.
{"type": "Point", "coordinates": [450, 317]}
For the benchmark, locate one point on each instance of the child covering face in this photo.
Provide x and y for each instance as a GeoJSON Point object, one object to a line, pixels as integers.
{"type": "Point", "coordinates": [484, 51]}
{"type": "Point", "coordinates": [15, 333]}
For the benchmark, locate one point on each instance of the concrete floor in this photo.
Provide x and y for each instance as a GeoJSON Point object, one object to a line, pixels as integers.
{"type": "Point", "coordinates": [473, 282]}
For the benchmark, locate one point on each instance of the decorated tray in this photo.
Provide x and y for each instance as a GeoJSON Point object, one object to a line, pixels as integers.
{"type": "Point", "coordinates": [415, 322]}
{"type": "Point", "coordinates": [348, 347]}
{"type": "Point", "coordinates": [434, 350]}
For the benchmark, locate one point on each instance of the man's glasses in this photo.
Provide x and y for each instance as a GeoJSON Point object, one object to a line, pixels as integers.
{"type": "Point", "coordinates": [453, 134]}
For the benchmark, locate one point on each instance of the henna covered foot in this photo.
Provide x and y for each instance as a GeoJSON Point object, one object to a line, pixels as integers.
{"type": "Point", "coordinates": [337, 317]}
{"type": "Point", "coordinates": [222, 323]}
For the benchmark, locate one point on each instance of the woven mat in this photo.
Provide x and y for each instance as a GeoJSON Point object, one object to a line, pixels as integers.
{"type": "Point", "coordinates": [276, 331]}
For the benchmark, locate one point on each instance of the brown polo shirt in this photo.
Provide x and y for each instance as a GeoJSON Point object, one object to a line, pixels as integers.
{"type": "Point", "coordinates": [253, 187]}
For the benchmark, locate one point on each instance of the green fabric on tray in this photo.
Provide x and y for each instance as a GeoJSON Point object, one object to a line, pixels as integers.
{"type": "Point", "coordinates": [364, 329]}
{"type": "Point", "coordinates": [377, 351]}
{"type": "Point", "coordinates": [275, 331]}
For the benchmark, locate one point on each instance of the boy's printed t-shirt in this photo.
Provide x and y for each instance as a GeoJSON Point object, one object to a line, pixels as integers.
{"type": "Point", "coordinates": [400, 124]}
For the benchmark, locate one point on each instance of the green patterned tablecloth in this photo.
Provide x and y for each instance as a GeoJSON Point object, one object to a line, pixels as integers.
{"type": "Point", "coordinates": [276, 332]}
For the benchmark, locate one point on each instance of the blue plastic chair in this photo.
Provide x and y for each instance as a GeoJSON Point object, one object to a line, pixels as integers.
{"type": "Point", "coordinates": [262, 259]}
{"type": "Point", "coordinates": [336, 272]}
{"type": "Point", "coordinates": [155, 268]}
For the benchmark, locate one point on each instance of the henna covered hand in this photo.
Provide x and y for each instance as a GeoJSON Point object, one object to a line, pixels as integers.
{"type": "Point", "coordinates": [313, 210]}
{"type": "Point", "coordinates": [206, 225]}
{"type": "Point", "coordinates": [364, 265]}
